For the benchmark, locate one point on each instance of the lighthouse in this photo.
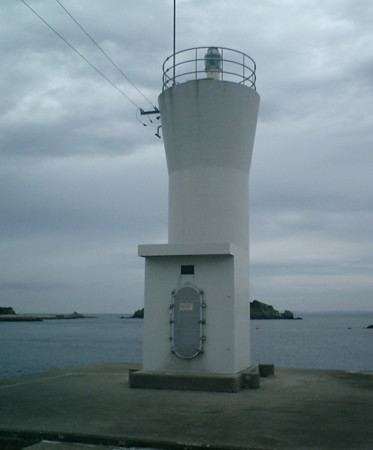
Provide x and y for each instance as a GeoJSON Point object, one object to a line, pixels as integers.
{"type": "Point", "coordinates": [197, 310]}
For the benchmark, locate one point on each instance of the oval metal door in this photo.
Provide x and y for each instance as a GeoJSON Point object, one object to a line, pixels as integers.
{"type": "Point", "coordinates": [187, 323]}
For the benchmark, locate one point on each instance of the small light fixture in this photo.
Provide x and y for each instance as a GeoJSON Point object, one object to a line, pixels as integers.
{"type": "Point", "coordinates": [213, 63]}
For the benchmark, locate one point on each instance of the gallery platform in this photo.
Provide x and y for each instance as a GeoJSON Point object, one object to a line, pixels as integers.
{"type": "Point", "coordinates": [94, 405]}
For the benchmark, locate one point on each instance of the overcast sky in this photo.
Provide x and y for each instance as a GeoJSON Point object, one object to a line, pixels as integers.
{"type": "Point", "coordinates": [82, 182]}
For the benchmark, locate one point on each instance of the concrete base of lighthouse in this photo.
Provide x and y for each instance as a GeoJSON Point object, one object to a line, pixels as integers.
{"type": "Point", "coordinates": [249, 378]}
{"type": "Point", "coordinates": [218, 275]}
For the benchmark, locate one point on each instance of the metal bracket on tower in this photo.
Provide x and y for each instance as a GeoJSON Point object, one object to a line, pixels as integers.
{"type": "Point", "coordinates": [148, 113]}
{"type": "Point", "coordinates": [152, 111]}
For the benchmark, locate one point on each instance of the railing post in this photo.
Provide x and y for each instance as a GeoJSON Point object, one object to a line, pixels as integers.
{"type": "Point", "coordinates": [196, 64]}
{"type": "Point", "coordinates": [222, 63]}
{"type": "Point", "coordinates": [243, 69]}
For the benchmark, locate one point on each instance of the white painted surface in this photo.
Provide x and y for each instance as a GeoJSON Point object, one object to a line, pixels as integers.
{"type": "Point", "coordinates": [226, 349]}
{"type": "Point", "coordinates": [208, 204]}
{"type": "Point", "coordinates": [208, 128]}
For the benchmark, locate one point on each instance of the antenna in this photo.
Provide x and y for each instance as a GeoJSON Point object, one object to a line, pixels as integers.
{"type": "Point", "coordinates": [155, 110]}
{"type": "Point", "coordinates": [174, 43]}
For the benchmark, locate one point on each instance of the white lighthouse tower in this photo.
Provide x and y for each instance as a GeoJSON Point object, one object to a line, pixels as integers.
{"type": "Point", "coordinates": [197, 316]}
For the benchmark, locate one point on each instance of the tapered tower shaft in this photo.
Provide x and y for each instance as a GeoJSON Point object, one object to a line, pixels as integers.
{"type": "Point", "coordinates": [208, 129]}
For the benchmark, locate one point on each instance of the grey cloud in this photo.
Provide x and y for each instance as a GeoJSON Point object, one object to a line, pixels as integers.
{"type": "Point", "coordinates": [82, 182]}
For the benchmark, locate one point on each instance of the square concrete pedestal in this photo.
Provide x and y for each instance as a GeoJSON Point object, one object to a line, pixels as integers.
{"type": "Point", "coordinates": [217, 274]}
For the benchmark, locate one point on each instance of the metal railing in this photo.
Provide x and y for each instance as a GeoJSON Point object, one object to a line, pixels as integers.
{"type": "Point", "coordinates": [190, 64]}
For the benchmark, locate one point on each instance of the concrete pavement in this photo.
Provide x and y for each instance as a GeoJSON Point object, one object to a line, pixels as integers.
{"type": "Point", "coordinates": [295, 409]}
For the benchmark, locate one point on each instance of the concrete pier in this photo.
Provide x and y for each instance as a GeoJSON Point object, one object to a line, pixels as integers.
{"type": "Point", "coordinates": [295, 409]}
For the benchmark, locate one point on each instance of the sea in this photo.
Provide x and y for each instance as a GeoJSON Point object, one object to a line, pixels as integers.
{"type": "Point", "coordinates": [318, 341]}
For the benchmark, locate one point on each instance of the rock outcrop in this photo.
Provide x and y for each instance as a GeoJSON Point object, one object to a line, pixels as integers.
{"type": "Point", "coordinates": [5, 310]}
{"type": "Point", "coordinates": [260, 311]}
{"type": "Point", "coordinates": [138, 314]}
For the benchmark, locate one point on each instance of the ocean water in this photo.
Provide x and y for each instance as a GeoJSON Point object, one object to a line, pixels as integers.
{"type": "Point", "coordinates": [319, 341]}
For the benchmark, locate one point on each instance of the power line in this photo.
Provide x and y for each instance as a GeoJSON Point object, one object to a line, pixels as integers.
{"type": "Point", "coordinates": [103, 51]}
{"type": "Point", "coordinates": [82, 56]}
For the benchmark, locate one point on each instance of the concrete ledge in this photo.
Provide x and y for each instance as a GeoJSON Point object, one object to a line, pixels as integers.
{"type": "Point", "coordinates": [219, 248]}
{"type": "Point", "coordinates": [174, 381]}
{"type": "Point", "coordinates": [248, 378]}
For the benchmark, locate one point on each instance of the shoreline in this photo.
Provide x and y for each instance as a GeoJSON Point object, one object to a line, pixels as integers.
{"type": "Point", "coordinates": [41, 317]}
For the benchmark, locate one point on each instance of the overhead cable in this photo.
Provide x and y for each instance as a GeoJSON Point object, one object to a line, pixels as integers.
{"type": "Point", "coordinates": [104, 53]}
{"type": "Point", "coordinates": [82, 56]}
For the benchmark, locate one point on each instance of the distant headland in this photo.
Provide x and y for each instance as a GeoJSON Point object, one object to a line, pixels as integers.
{"type": "Point", "coordinates": [258, 311]}
{"type": "Point", "coordinates": [7, 314]}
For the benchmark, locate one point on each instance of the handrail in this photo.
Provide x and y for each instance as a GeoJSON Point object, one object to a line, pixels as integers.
{"type": "Point", "coordinates": [189, 64]}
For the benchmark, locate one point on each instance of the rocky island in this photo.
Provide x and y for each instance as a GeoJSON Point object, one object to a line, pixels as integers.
{"type": "Point", "coordinates": [7, 314]}
{"type": "Point", "coordinates": [138, 314]}
{"type": "Point", "coordinates": [260, 311]}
